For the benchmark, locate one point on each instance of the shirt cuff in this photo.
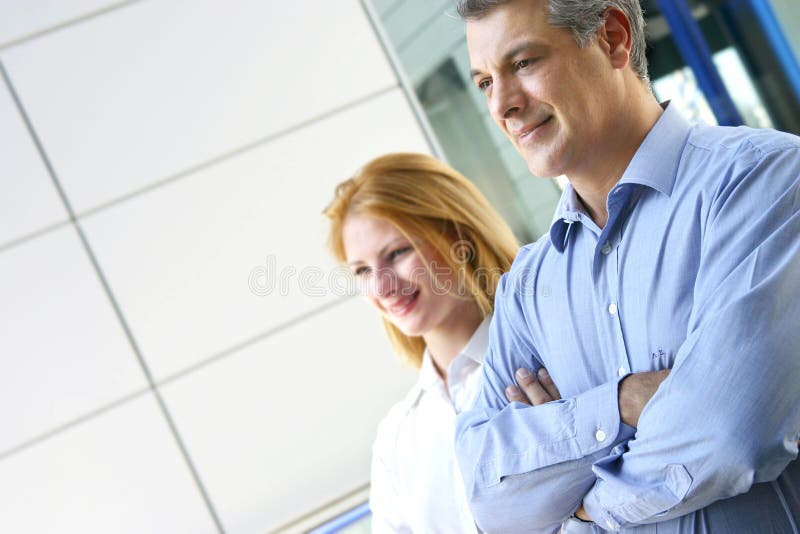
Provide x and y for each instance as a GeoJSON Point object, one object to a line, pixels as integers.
{"type": "Point", "coordinates": [613, 504]}
{"type": "Point", "coordinates": [597, 421]}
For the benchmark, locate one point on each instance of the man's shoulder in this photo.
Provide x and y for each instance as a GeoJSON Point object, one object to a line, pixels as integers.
{"type": "Point", "coordinates": [741, 139]}
{"type": "Point", "coordinates": [521, 279]}
{"type": "Point", "coordinates": [726, 157]}
{"type": "Point", "coordinates": [531, 255]}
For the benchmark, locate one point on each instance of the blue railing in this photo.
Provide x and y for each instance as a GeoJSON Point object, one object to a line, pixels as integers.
{"type": "Point", "coordinates": [345, 520]}
{"type": "Point", "coordinates": [696, 53]}
{"type": "Point", "coordinates": [777, 40]}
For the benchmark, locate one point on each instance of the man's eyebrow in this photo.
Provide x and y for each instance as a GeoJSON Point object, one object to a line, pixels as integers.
{"type": "Point", "coordinates": [513, 51]}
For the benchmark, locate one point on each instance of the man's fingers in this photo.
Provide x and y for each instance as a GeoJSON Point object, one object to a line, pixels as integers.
{"type": "Point", "coordinates": [532, 388]}
{"type": "Point", "coordinates": [513, 394]}
{"type": "Point", "coordinates": [547, 383]}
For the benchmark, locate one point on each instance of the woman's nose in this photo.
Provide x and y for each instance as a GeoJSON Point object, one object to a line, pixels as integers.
{"type": "Point", "coordinates": [383, 282]}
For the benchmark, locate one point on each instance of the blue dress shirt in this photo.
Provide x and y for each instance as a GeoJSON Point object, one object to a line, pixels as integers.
{"type": "Point", "coordinates": [697, 270]}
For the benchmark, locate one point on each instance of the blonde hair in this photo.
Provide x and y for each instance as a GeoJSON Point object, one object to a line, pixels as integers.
{"type": "Point", "coordinates": [428, 200]}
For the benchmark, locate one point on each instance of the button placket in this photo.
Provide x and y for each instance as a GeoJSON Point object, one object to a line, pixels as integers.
{"type": "Point", "coordinates": [614, 309]}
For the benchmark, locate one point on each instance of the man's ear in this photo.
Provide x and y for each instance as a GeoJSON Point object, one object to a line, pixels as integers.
{"type": "Point", "coordinates": [615, 37]}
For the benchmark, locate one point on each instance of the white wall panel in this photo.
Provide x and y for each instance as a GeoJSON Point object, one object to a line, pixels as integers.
{"type": "Point", "coordinates": [285, 425]}
{"type": "Point", "coordinates": [28, 199]}
{"type": "Point", "coordinates": [120, 472]}
{"type": "Point", "coordinates": [156, 87]}
{"type": "Point", "coordinates": [179, 257]}
{"type": "Point", "coordinates": [22, 18]}
{"type": "Point", "coordinates": [63, 351]}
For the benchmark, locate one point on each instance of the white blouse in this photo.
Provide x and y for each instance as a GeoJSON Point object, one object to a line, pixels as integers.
{"type": "Point", "coordinates": [416, 484]}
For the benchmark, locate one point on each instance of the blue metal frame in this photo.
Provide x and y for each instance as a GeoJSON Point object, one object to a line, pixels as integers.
{"type": "Point", "coordinates": [344, 520]}
{"type": "Point", "coordinates": [777, 40]}
{"type": "Point", "coordinates": [696, 53]}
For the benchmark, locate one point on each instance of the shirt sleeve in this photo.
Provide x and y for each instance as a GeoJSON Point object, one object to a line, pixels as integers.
{"type": "Point", "coordinates": [526, 468]}
{"type": "Point", "coordinates": [728, 415]}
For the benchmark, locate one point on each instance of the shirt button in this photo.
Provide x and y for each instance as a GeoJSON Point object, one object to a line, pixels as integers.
{"type": "Point", "coordinates": [612, 309]}
{"type": "Point", "coordinates": [606, 249]}
{"type": "Point", "coordinates": [600, 435]}
{"type": "Point", "coordinates": [622, 371]}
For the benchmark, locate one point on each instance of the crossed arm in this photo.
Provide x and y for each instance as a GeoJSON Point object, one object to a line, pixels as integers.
{"type": "Point", "coordinates": [726, 416]}
{"type": "Point", "coordinates": [634, 392]}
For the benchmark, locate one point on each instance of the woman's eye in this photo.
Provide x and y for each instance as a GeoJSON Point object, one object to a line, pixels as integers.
{"type": "Point", "coordinates": [360, 271]}
{"type": "Point", "coordinates": [399, 252]}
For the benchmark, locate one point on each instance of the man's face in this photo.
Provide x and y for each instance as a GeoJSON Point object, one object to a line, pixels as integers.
{"type": "Point", "coordinates": [546, 94]}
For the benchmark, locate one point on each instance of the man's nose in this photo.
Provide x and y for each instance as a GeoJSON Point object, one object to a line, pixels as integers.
{"type": "Point", "coordinates": [506, 99]}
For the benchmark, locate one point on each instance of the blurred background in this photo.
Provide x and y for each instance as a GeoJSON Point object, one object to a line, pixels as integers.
{"type": "Point", "coordinates": [178, 351]}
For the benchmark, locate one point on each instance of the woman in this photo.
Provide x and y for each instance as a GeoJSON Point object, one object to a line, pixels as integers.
{"type": "Point", "coordinates": [428, 250]}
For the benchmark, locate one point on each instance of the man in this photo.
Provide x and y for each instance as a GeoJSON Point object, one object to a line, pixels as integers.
{"type": "Point", "coordinates": [673, 247]}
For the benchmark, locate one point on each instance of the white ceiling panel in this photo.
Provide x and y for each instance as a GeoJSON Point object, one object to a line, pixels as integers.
{"type": "Point", "coordinates": [180, 258]}
{"type": "Point", "coordinates": [28, 199]}
{"type": "Point", "coordinates": [120, 472]}
{"type": "Point", "coordinates": [152, 89]}
{"type": "Point", "coordinates": [64, 353]}
{"type": "Point", "coordinates": [286, 425]}
{"type": "Point", "coordinates": [24, 18]}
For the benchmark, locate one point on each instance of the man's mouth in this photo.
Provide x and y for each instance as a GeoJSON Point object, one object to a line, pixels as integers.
{"type": "Point", "coordinates": [527, 132]}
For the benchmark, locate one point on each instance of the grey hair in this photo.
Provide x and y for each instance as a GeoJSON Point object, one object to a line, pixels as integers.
{"type": "Point", "coordinates": [583, 17]}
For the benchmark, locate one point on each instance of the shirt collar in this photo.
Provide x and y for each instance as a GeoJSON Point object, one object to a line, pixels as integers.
{"type": "Point", "coordinates": [474, 351]}
{"type": "Point", "coordinates": [568, 212]}
{"type": "Point", "coordinates": [655, 165]}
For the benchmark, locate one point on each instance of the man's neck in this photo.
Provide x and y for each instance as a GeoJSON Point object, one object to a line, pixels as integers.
{"type": "Point", "coordinates": [599, 178]}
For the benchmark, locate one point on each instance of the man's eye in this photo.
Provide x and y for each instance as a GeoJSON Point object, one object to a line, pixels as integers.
{"type": "Point", "coordinates": [521, 64]}
{"type": "Point", "coordinates": [484, 84]}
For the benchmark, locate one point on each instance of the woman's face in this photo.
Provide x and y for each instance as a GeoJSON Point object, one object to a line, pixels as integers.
{"type": "Point", "coordinates": [397, 280]}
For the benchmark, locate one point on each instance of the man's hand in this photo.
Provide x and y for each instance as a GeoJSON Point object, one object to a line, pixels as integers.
{"type": "Point", "coordinates": [538, 390]}
{"type": "Point", "coordinates": [635, 391]}
{"type": "Point", "coordinates": [534, 391]}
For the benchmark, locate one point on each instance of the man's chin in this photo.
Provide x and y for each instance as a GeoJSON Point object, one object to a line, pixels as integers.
{"type": "Point", "coordinates": [539, 170]}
